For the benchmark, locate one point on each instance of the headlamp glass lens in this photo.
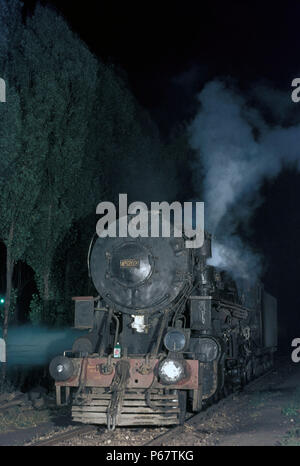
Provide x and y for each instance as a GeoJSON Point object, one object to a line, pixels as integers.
{"type": "Point", "coordinates": [175, 340]}
{"type": "Point", "coordinates": [171, 371]}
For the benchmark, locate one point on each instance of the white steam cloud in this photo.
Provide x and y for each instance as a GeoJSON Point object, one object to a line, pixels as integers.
{"type": "Point", "coordinates": [236, 151]}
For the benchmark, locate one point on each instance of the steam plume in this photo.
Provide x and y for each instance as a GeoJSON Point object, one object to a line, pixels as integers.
{"type": "Point", "coordinates": [237, 149]}
{"type": "Point", "coordinates": [34, 345]}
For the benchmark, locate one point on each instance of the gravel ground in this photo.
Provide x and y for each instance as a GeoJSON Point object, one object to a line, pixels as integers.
{"type": "Point", "coordinates": [120, 437]}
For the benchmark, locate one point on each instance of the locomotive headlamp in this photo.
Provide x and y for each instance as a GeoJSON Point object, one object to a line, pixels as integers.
{"type": "Point", "coordinates": [171, 371]}
{"type": "Point", "coordinates": [61, 368]}
{"type": "Point", "coordinates": [175, 340]}
{"type": "Point", "coordinates": [208, 349]}
{"type": "Point", "coordinates": [83, 345]}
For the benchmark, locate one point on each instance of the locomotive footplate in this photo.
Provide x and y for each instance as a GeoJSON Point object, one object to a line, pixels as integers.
{"type": "Point", "coordinates": [92, 408]}
{"type": "Point", "coordinates": [100, 372]}
{"type": "Point", "coordinates": [126, 391]}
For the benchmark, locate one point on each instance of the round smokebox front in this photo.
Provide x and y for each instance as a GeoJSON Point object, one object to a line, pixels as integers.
{"type": "Point", "coordinates": [131, 264]}
{"type": "Point", "coordinates": [138, 275]}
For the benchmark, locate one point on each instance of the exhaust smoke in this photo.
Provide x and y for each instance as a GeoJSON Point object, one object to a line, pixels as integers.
{"type": "Point", "coordinates": [238, 146]}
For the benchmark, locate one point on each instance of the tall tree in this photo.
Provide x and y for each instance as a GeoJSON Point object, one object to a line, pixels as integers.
{"type": "Point", "coordinates": [64, 75]}
{"type": "Point", "coordinates": [21, 154]}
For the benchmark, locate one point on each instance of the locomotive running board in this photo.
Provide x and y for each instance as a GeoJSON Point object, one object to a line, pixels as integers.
{"type": "Point", "coordinates": [135, 411]}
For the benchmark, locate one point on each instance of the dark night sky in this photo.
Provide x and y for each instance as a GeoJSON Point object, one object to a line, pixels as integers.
{"type": "Point", "coordinates": [168, 50]}
{"type": "Point", "coordinates": [157, 42]}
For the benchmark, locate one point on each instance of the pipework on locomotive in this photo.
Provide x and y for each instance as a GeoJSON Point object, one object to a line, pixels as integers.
{"type": "Point", "coordinates": [167, 331]}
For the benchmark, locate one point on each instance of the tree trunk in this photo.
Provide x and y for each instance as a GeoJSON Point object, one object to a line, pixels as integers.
{"type": "Point", "coordinates": [9, 274]}
{"type": "Point", "coordinates": [46, 297]}
{"type": "Point", "coordinates": [46, 275]}
{"type": "Point", "coordinates": [67, 277]}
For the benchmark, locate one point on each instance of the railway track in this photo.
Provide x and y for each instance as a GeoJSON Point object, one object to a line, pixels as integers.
{"type": "Point", "coordinates": [191, 422]}
{"type": "Point", "coordinates": [17, 401]}
{"type": "Point", "coordinates": [62, 436]}
{"type": "Point", "coordinates": [196, 419]}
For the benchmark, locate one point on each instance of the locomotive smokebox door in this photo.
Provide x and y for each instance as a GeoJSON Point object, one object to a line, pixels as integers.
{"type": "Point", "coordinates": [200, 307]}
{"type": "Point", "coordinates": [84, 312]}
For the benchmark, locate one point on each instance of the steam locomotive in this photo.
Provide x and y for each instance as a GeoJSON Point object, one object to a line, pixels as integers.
{"type": "Point", "coordinates": [167, 333]}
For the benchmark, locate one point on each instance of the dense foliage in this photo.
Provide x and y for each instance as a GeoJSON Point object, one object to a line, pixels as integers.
{"type": "Point", "coordinates": [71, 135]}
